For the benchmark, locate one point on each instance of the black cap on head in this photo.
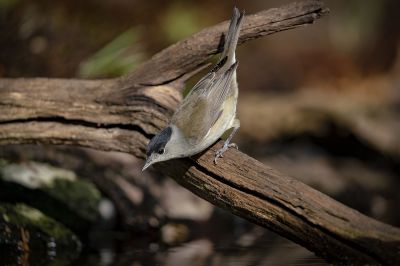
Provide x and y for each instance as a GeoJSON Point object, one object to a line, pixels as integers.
{"type": "Point", "coordinates": [158, 142]}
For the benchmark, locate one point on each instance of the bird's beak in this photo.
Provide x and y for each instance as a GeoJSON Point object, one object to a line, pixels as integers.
{"type": "Point", "coordinates": [147, 164]}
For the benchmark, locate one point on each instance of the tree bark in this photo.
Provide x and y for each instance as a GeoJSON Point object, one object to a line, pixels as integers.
{"type": "Point", "coordinates": [122, 114]}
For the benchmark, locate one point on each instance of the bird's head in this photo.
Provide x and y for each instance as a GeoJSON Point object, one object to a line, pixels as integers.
{"type": "Point", "coordinates": [159, 148]}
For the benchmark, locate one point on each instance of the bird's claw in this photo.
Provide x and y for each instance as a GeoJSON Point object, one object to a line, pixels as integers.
{"type": "Point", "coordinates": [233, 145]}
{"type": "Point", "coordinates": [220, 152]}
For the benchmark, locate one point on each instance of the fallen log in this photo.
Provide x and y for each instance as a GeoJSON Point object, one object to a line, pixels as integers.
{"type": "Point", "coordinates": [122, 114]}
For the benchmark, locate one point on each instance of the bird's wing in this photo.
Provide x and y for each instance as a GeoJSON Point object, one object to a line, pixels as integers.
{"type": "Point", "coordinates": [202, 107]}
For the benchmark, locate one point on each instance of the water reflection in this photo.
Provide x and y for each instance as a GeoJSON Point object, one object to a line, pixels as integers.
{"type": "Point", "coordinates": [199, 252]}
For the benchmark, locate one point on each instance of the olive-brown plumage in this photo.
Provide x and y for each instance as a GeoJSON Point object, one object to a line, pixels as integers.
{"type": "Point", "coordinates": [207, 111]}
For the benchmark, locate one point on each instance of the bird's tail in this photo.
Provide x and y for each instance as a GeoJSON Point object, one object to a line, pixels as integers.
{"type": "Point", "coordinates": [232, 37]}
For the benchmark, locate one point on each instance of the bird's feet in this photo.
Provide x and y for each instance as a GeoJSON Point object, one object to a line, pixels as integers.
{"type": "Point", "coordinates": [220, 152]}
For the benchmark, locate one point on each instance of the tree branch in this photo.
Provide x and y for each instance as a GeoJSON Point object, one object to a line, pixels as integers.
{"type": "Point", "coordinates": [122, 114]}
{"type": "Point", "coordinates": [282, 204]}
{"type": "Point", "coordinates": [184, 56]}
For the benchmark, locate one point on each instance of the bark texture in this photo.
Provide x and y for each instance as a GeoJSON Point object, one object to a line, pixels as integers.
{"type": "Point", "coordinates": [122, 114]}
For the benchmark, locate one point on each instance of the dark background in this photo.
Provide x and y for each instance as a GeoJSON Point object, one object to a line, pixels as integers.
{"type": "Point", "coordinates": [320, 103]}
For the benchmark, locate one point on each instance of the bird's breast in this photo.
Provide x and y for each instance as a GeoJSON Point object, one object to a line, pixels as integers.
{"type": "Point", "coordinates": [224, 122]}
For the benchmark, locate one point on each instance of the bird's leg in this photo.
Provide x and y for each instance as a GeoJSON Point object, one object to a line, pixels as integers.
{"type": "Point", "coordinates": [227, 144]}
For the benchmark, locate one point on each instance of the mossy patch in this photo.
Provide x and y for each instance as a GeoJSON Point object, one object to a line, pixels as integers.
{"type": "Point", "coordinates": [80, 196]}
{"type": "Point", "coordinates": [26, 234]}
{"type": "Point", "coordinates": [20, 215]}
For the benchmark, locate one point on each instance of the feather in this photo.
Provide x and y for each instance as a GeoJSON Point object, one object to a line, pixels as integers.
{"type": "Point", "coordinates": [203, 106]}
{"type": "Point", "coordinates": [159, 141]}
{"type": "Point", "coordinates": [232, 37]}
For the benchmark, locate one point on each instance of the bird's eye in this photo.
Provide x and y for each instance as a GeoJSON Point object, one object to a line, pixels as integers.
{"type": "Point", "coordinates": [161, 151]}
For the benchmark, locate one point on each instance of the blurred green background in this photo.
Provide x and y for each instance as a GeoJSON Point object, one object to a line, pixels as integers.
{"type": "Point", "coordinates": [108, 38]}
{"type": "Point", "coordinates": [320, 103]}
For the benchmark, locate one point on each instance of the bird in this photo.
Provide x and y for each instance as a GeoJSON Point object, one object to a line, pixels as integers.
{"type": "Point", "coordinates": [207, 112]}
